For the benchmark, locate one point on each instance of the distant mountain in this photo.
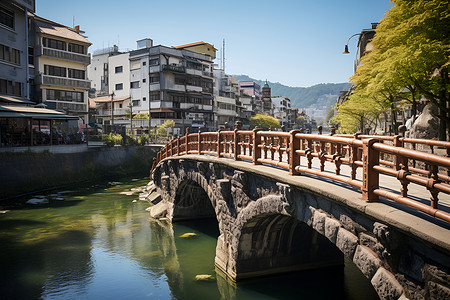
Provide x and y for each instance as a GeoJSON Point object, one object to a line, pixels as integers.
{"type": "Point", "coordinates": [303, 97]}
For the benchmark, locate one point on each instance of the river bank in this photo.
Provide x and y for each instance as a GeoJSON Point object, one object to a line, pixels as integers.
{"type": "Point", "coordinates": [25, 172]}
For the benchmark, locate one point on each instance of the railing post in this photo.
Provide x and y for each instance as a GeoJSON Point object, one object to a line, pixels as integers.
{"type": "Point", "coordinates": [396, 159]}
{"type": "Point", "coordinates": [178, 146]}
{"type": "Point", "coordinates": [187, 141]}
{"type": "Point", "coordinates": [294, 158]}
{"type": "Point", "coordinates": [219, 148]}
{"type": "Point", "coordinates": [370, 176]}
{"type": "Point", "coordinates": [256, 149]}
{"type": "Point", "coordinates": [236, 144]}
{"type": "Point", "coordinates": [199, 141]}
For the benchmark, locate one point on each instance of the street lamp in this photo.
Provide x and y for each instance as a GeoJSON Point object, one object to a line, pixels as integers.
{"type": "Point", "coordinates": [346, 45]}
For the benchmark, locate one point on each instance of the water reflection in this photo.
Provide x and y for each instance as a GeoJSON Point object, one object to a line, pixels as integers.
{"type": "Point", "coordinates": [100, 244]}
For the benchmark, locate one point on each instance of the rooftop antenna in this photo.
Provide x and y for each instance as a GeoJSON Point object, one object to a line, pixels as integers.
{"type": "Point", "coordinates": [73, 22]}
{"type": "Point", "coordinates": [223, 55]}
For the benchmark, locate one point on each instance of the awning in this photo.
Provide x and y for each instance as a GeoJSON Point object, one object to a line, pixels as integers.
{"type": "Point", "coordinates": [107, 99]}
{"type": "Point", "coordinates": [15, 100]}
{"type": "Point", "coordinates": [161, 110]}
{"type": "Point", "coordinates": [32, 112]}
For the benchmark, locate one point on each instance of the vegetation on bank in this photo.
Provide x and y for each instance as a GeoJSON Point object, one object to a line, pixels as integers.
{"type": "Point", "coordinates": [264, 121]}
{"type": "Point", "coordinates": [410, 59]}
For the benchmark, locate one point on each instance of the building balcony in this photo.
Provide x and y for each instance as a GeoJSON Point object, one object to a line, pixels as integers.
{"type": "Point", "coordinates": [207, 74]}
{"type": "Point", "coordinates": [67, 107]}
{"type": "Point", "coordinates": [66, 55]}
{"type": "Point", "coordinates": [176, 69]}
{"type": "Point", "coordinates": [63, 81]}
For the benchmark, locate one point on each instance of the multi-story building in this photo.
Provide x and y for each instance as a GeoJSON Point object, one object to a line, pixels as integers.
{"type": "Point", "coordinates": [61, 59]}
{"type": "Point", "coordinates": [266, 99]}
{"type": "Point", "coordinates": [14, 48]}
{"type": "Point", "coordinates": [110, 75]}
{"type": "Point", "coordinates": [172, 84]}
{"type": "Point", "coordinates": [282, 108]}
{"type": "Point", "coordinates": [225, 99]}
{"type": "Point", "coordinates": [253, 90]}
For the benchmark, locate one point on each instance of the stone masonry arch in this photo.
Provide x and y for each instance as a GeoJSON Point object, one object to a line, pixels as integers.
{"type": "Point", "coordinates": [246, 197]}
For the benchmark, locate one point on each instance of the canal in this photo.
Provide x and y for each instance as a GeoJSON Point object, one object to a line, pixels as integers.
{"type": "Point", "coordinates": [92, 242]}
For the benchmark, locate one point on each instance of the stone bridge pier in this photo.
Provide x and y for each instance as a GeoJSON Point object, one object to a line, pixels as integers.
{"type": "Point", "coordinates": [272, 223]}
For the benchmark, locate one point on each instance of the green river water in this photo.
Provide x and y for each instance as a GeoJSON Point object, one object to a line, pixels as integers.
{"type": "Point", "coordinates": [99, 244]}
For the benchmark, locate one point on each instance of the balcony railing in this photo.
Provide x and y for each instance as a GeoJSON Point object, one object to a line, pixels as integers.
{"type": "Point", "coordinates": [71, 107]}
{"type": "Point", "coordinates": [177, 69]}
{"type": "Point", "coordinates": [66, 55]}
{"type": "Point", "coordinates": [67, 82]}
{"type": "Point", "coordinates": [208, 74]}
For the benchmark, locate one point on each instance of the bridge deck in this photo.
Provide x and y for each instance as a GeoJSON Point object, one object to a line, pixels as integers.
{"type": "Point", "coordinates": [409, 220]}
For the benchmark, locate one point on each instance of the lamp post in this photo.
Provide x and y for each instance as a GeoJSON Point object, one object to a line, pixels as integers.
{"type": "Point", "coordinates": [346, 45]}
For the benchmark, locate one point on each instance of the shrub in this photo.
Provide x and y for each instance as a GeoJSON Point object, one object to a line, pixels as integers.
{"type": "Point", "coordinates": [143, 139]}
{"type": "Point", "coordinates": [112, 139]}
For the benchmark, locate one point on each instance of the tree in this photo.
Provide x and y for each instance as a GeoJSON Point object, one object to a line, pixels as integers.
{"type": "Point", "coordinates": [140, 116]}
{"type": "Point", "coordinates": [264, 121]}
{"type": "Point", "coordinates": [356, 114]}
{"type": "Point", "coordinates": [410, 58]}
{"type": "Point", "coordinates": [162, 130]}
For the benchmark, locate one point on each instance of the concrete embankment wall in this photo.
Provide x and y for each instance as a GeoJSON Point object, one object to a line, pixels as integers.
{"type": "Point", "coordinates": [29, 171]}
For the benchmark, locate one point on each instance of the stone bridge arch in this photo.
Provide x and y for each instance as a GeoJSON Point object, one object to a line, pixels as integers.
{"type": "Point", "coordinates": [260, 211]}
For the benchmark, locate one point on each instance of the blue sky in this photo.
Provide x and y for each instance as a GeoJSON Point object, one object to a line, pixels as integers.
{"type": "Point", "coordinates": [296, 43]}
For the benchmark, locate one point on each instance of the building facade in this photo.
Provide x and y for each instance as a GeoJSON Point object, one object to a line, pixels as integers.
{"type": "Point", "coordinates": [172, 84]}
{"type": "Point", "coordinates": [60, 65]}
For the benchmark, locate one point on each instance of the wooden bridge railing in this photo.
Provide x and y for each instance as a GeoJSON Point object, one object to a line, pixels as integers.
{"type": "Point", "coordinates": [395, 156]}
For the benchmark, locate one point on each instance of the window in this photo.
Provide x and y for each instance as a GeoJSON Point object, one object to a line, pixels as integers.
{"type": "Point", "coordinates": [136, 102]}
{"type": "Point", "coordinates": [119, 86]}
{"type": "Point", "coordinates": [54, 71]}
{"type": "Point", "coordinates": [9, 54]}
{"type": "Point", "coordinates": [144, 99]}
{"type": "Point", "coordinates": [134, 84]}
{"type": "Point", "coordinates": [78, 74]}
{"type": "Point", "coordinates": [179, 80]}
{"type": "Point", "coordinates": [55, 44]}
{"type": "Point", "coordinates": [9, 87]}
{"type": "Point", "coordinates": [144, 63]}
{"type": "Point", "coordinates": [76, 48]}
{"type": "Point", "coordinates": [6, 17]}
{"type": "Point", "coordinates": [60, 95]}
{"type": "Point", "coordinates": [154, 96]}
{"type": "Point", "coordinates": [144, 80]}
{"type": "Point", "coordinates": [119, 69]}
{"type": "Point", "coordinates": [154, 61]}
{"type": "Point", "coordinates": [31, 55]}
{"type": "Point", "coordinates": [154, 78]}
{"type": "Point", "coordinates": [120, 105]}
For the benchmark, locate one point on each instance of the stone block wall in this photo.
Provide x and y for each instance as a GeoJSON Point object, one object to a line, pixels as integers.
{"type": "Point", "coordinates": [246, 204]}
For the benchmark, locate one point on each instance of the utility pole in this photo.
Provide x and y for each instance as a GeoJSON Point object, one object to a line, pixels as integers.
{"type": "Point", "coordinates": [112, 111]}
{"type": "Point", "coordinates": [131, 117]}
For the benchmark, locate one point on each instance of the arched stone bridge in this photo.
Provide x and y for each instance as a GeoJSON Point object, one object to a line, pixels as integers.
{"type": "Point", "coordinates": [270, 222]}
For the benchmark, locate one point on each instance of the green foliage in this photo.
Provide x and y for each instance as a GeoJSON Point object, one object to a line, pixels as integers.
{"type": "Point", "coordinates": [163, 129]}
{"type": "Point", "coordinates": [143, 139]}
{"type": "Point", "coordinates": [140, 116]}
{"type": "Point", "coordinates": [301, 120]}
{"type": "Point", "coordinates": [113, 139]}
{"type": "Point", "coordinates": [411, 50]}
{"type": "Point", "coordinates": [356, 114]}
{"type": "Point", "coordinates": [264, 121]}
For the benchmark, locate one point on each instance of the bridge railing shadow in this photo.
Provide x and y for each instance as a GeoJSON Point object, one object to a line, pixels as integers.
{"type": "Point", "coordinates": [419, 171]}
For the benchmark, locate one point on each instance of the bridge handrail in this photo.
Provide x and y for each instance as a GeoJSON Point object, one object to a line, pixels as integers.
{"type": "Point", "coordinates": [286, 150]}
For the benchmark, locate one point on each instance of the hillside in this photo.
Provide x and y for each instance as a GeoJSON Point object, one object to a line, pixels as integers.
{"type": "Point", "coordinates": [303, 97]}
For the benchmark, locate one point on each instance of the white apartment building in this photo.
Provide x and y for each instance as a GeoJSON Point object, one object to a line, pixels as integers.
{"type": "Point", "coordinates": [172, 84]}
{"type": "Point", "coordinates": [225, 98]}
{"type": "Point", "coordinates": [282, 107]}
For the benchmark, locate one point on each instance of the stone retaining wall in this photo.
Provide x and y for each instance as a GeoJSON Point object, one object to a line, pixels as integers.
{"type": "Point", "coordinates": [29, 171]}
